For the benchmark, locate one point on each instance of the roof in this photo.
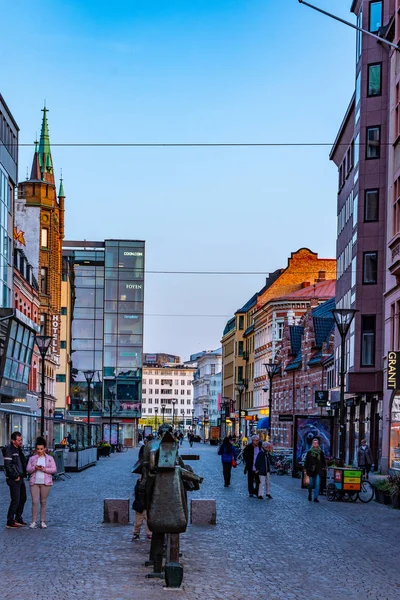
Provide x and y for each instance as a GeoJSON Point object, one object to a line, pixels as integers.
{"type": "Point", "coordinates": [324, 322]}
{"type": "Point", "coordinates": [249, 304]}
{"type": "Point", "coordinates": [248, 331]}
{"type": "Point", "coordinates": [296, 362]}
{"type": "Point", "coordinates": [296, 333]}
{"type": "Point", "coordinates": [323, 289]}
{"type": "Point", "coordinates": [343, 125]}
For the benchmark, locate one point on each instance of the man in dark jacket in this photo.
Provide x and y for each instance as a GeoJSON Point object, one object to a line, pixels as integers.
{"type": "Point", "coordinates": [314, 466]}
{"type": "Point", "coordinates": [263, 470]}
{"type": "Point", "coordinates": [364, 458]}
{"type": "Point", "coordinates": [15, 468]}
{"type": "Point", "coordinates": [249, 456]}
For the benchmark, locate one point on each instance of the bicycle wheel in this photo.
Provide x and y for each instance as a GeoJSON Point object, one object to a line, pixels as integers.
{"type": "Point", "coordinates": [366, 493]}
{"type": "Point", "coordinates": [331, 492]}
{"type": "Point", "coordinates": [125, 448]}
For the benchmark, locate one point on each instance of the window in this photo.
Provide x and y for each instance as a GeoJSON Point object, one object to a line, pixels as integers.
{"type": "Point", "coordinates": [359, 36]}
{"type": "Point", "coordinates": [356, 150]}
{"type": "Point", "coordinates": [240, 349]}
{"type": "Point", "coordinates": [182, 382]}
{"type": "Point", "coordinates": [45, 238]}
{"type": "Point", "coordinates": [43, 280]}
{"type": "Point", "coordinates": [188, 392]}
{"type": "Point", "coordinates": [63, 345]}
{"type": "Point", "coordinates": [368, 323]}
{"type": "Point", "coordinates": [241, 322]}
{"type": "Point", "coordinates": [64, 310]}
{"type": "Point", "coordinates": [371, 205]}
{"type": "Point", "coordinates": [370, 267]}
{"type": "Point", "coordinates": [358, 88]}
{"type": "Point", "coordinates": [373, 149]}
{"type": "Point", "coordinates": [182, 392]}
{"type": "Point", "coordinates": [213, 366]}
{"type": "Point", "coordinates": [60, 378]}
{"type": "Point", "coordinates": [374, 80]}
{"type": "Point", "coordinates": [354, 272]}
{"type": "Point", "coordinates": [240, 374]}
{"type": "Point", "coordinates": [375, 16]}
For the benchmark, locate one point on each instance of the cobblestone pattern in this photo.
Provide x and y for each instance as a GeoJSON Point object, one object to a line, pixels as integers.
{"type": "Point", "coordinates": [203, 511]}
{"type": "Point", "coordinates": [280, 549]}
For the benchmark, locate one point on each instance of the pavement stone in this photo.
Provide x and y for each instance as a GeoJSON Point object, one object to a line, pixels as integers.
{"type": "Point", "coordinates": [281, 549]}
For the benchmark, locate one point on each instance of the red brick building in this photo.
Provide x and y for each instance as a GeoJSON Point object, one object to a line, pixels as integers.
{"type": "Point", "coordinates": [306, 357]}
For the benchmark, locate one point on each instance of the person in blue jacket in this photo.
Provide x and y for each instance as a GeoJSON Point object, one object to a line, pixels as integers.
{"type": "Point", "coordinates": [227, 452]}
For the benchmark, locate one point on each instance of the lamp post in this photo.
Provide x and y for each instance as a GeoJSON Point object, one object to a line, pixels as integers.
{"type": "Point", "coordinates": [111, 390]}
{"type": "Point", "coordinates": [343, 318]}
{"type": "Point", "coordinates": [89, 376]}
{"type": "Point", "coordinates": [205, 413]}
{"type": "Point", "coordinates": [272, 369]}
{"type": "Point", "coordinates": [156, 413]}
{"type": "Point", "coordinates": [192, 417]}
{"type": "Point", "coordinates": [43, 343]}
{"type": "Point", "coordinates": [173, 412]}
{"type": "Point", "coordinates": [183, 418]}
{"type": "Point", "coordinates": [240, 390]}
{"type": "Point", "coordinates": [163, 412]}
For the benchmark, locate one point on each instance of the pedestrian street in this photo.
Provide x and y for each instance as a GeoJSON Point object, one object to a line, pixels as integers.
{"type": "Point", "coordinates": [280, 549]}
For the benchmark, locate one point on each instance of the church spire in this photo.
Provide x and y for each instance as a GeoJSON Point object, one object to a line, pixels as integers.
{"type": "Point", "coordinates": [42, 167]}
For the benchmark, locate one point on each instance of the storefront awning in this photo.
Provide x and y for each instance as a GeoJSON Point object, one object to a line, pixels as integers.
{"type": "Point", "coordinates": [263, 423]}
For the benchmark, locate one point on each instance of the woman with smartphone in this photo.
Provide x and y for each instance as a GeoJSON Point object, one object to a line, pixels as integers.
{"type": "Point", "coordinates": [41, 467]}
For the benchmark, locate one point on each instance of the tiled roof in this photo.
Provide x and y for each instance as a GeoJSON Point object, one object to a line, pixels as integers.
{"type": "Point", "coordinates": [249, 304]}
{"type": "Point", "coordinates": [316, 359]}
{"type": "Point", "coordinates": [296, 333]}
{"type": "Point", "coordinates": [324, 310]}
{"type": "Point", "coordinates": [296, 363]}
{"type": "Point", "coordinates": [324, 289]}
{"type": "Point", "coordinates": [324, 322]}
{"type": "Point", "coordinates": [230, 325]}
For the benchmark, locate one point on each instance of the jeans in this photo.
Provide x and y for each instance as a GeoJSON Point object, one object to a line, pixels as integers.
{"type": "Point", "coordinates": [227, 469]}
{"type": "Point", "coordinates": [18, 499]}
{"type": "Point", "coordinates": [264, 481]}
{"type": "Point", "coordinates": [314, 484]}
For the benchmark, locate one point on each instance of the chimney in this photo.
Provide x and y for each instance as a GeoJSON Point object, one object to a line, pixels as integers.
{"type": "Point", "coordinates": [305, 284]}
{"type": "Point", "coordinates": [321, 276]}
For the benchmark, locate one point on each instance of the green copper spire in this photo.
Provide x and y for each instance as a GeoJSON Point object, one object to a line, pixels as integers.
{"type": "Point", "coordinates": [61, 193]}
{"type": "Point", "coordinates": [45, 160]}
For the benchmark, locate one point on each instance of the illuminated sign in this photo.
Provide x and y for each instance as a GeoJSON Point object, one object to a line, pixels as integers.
{"type": "Point", "coordinates": [19, 236]}
{"type": "Point", "coordinates": [393, 373]}
{"type": "Point", "coordinates": [133, 253]}
{"type": "Point", "coordinates": [19, 400]}
{"type": "Point", "coordinates": [133, 286]}
{"type": "Point", "coordinates": [55, 324]}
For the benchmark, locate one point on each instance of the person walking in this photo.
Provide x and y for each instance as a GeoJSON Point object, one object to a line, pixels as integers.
{"type": "Point", "coordinates": [191, 439]}
{"type": "Point", "coordinates": [250, 454]}
{"type": "Point", "coordinates": [41, 467]}
{"type": "Point", "coordinates": [263, 469]}
{"type": "Point", "coordinates": [15, 469]}
{"type": "Point", "coordinates": [314, 465]}
{"type": "Point", "coordinates": [228, 453]}
{"type": "Point", "coordinates": [139, 506]}
{"type": "Point", "coordinates": [364, 458]}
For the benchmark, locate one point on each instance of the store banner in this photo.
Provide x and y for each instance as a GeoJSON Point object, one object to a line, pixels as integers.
{"type": "Point", "coordinates": [393, 371]}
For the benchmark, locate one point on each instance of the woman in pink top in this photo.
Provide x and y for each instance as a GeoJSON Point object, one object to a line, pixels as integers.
{"type": "Point", "coordinates": [41, 468]}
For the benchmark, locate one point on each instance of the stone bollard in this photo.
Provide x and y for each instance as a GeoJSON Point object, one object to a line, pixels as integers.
{"type": "Point", "coordinates": [116, 511]}
{"type": "Point", "coordinates": [203, 512]}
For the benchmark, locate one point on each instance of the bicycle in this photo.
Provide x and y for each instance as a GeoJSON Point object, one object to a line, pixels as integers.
{"type": "Point", "coordinates": [365, 494]}
{"type": "Point", "coordinates": [121, 448]}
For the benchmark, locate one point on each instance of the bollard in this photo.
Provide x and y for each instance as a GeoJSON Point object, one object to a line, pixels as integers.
{"type": "Point", "coordinates": [116, 511]}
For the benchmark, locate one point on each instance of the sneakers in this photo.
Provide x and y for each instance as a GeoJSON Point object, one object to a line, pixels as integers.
{"type": "Point", "coordinates": [21, 523]}
{"type": "Point", "coordinates": [316, 500]}
{"type": "Point", "coordinates": [43, 525]}
{"type": "Point", "coordinates": [260, 497]}
{"type": "Point", "coordinates": [148, 537]}
{"type": "Point", "coordinates": [12, 526]}
{"type": "Point", "coordinates": [33, 526]}
{"type": "Point", "coordinates": [135, 537]}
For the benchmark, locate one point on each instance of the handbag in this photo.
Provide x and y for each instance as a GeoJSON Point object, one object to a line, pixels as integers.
{"type": "Point", "coordinates": [306, 480]}
{"type": "Point", "coordinates": [234, 463]}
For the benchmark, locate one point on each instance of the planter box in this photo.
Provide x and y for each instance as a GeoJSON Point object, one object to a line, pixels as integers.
{"type": "Point", "coordinates": [103, 452]}
{"type": "Point", "coordinates": [396, 501]}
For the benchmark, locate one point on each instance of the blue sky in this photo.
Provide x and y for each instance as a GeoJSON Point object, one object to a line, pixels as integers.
{"type": "Point", "coordinates": [187, 71]}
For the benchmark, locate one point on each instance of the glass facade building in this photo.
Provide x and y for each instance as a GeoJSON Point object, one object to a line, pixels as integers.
{"type": "Point", "coordinates": [107, 286]}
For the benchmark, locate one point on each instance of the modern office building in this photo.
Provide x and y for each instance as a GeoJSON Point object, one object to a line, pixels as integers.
{"type": "Point", "coordinates": [106, 335]}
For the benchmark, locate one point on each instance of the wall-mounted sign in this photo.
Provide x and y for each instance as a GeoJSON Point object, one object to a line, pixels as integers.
{"type": "Point", "coordinates": [321, 397]}
{"type": "Point", "coordinates": [133, 286]}
{"type": "Point", "coordinates": [286, 418]}
{"type": "Point", "coordinates": [19, 400]}
{"type": "Point", "coordinates": [55, 326]}
{"type": "Point", "coordinates": [393, 371]}
{"type": "Point", "coordinates": [19, 236]}
{"type": "Point", "coordinates": [133, 253]}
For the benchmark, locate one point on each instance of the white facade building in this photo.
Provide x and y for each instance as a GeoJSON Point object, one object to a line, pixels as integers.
{"type": "Point", "coordinates": [207, 387]}
{"type": "Point", "coordinates": [166, 389]}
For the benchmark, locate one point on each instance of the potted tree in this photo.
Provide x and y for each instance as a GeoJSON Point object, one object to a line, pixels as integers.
{"type": "Point", "coordinates": [383, 491]}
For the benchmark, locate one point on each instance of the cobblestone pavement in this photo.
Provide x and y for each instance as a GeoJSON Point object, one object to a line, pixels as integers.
{"type": "Point", "coordinates": [281, 549]}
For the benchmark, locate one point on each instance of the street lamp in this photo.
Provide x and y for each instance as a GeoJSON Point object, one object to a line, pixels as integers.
{"type": "Point", "coordinates": [173, 412]}
{"type": "Point", "coordinates": [205, 412]}
{"type": "Point", "coordinates": [43, 343]}
{"type": "Point", "coordinates": [156, 413]}
{"type": "Point", "coordinates": [89, 376]}
{"type": "Point", "coordinates": [111, 390]}
{"type": "Point", "coordinates": [183, 418]}
{"type": "Point", "coordinates": [240, 388]}
{"type": "Point", "coordinates": [343, 318]}
{"type": "Point", "coordinates": [163, 412]}
{"type": "Point", "coordinates": [272, 369]}
{"type": "Point", "coordinates": [192, 417]}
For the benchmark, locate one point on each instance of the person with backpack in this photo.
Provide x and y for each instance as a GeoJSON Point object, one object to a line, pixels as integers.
{"type": "Point", "coordinates": [228, 454]}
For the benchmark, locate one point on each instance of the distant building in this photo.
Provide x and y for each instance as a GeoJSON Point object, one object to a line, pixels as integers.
{"type": "Point", "coordinates": [160, 359]}
{"type": "Point", "coordinates": [207, 389]}
{"type": "Point", "coordinates": [167, 395]}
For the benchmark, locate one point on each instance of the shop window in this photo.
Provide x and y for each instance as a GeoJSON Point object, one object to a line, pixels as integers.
{"type": "Point", "coordinates": [395, 434]}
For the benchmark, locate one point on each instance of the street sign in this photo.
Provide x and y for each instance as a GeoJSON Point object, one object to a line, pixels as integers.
{"type": "Point", "coordinates": [287, 418]}
{"type": "Point", "coordinates": [321, 397]}
{"type": "Point", "coordinates": [243, 413]}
